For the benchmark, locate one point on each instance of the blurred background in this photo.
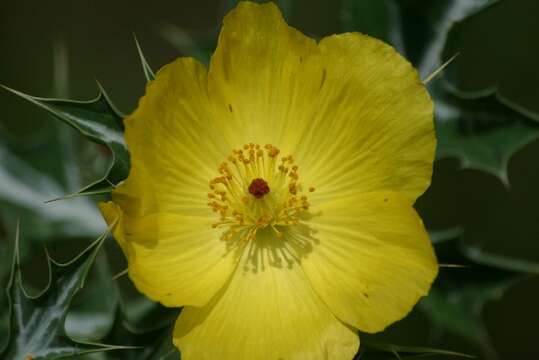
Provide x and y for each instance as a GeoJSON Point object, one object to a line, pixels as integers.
{"type": "Point", "coordinates": [481, 210]}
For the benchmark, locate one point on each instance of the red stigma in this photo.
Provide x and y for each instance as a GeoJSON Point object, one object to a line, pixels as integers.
{"type": "Point", "coordinates": [258, 188]}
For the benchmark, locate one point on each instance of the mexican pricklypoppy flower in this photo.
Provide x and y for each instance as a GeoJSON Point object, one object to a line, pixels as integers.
{"type": "Point", "coordinates": [271, 194]}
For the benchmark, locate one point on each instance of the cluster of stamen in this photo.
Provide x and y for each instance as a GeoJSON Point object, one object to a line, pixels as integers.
{"type": "Point", "coordinates": [257, 189]}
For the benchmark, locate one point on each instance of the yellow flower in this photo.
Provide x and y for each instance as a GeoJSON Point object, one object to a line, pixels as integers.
{"type": "Point", "coordinates": [271, 195]}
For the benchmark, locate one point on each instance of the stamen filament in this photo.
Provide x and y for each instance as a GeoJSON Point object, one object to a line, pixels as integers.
{"type": "Point", "coordinates": [264, 191]}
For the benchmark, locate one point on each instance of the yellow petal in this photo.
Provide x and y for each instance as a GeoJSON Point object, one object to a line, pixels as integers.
{"type": "Point", "coordinates": [267, 311]}
{"type": "Point", "coordinates": [174, 145]}
{"type": "Point", "coordinates": [174, 259]}
{"type": "Point", "coordinates": [174, 254]}
{"type": "Point", "coordinates": [351, 110]}
{"type": "Point", "coordinates": [372, 125]}
{"type": "Point", "coordinates": [372, 259]}
{"type": "Point", "coordinates": [256, 78]}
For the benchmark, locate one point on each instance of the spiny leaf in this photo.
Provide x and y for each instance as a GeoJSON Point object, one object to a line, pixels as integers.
{"type": "Point", "coordinates": [439, 70]}
{"type": "Point", "coordinates": [482, 133]}
{"type": "Point", "coordinates": [437, 236]}
{"type": "Point", "coordinates": [148, 72]}
{"type": "Point", "coordinates": [425, 26]}
{"type": "Point", "coordinates": [99, 121]}
{"type": "Point", "coordinates": [33, 170]}
{"type": "Point", "coordinates": [498, 222]}
{"type": "Point", "coordinates": [37, 322]}
{"type": "Point", "coordinates": [91, 315]}
{"type": "Point", "coordinates": [491, 92]}
{"type": "Point", "coordinates": [451, 77]}
{"type": "Point", "coordinates": [500, 261]}
{"type": "Point", "coordinates": [24, 190]}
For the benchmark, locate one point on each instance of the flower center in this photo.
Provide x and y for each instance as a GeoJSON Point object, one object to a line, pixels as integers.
{"type": "Point", "coordinates": [257, 189]}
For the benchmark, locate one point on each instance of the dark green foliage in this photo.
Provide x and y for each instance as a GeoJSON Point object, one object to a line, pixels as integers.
{"type": "Point", "coordinates": [100, 122]}
{"type": "Point", "coordinates": [482, 133]}
{"type": "Point", "coordinates": [37, 322]}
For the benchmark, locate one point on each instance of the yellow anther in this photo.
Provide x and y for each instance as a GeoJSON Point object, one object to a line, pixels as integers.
{"type": "Point", "coordinates": [240, 210]}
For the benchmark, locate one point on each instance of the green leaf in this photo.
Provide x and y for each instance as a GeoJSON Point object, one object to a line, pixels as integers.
{"type": "Point", "coordinates": [99, 121]}
{"type": "Point", "coordinates": [500, 261]}
{"type": "Point", "coordinates": [91, 314]}
{"type": "Point", "coordinates": [498, 220]}
{"type": "Point", "coordinates": [425, 26]}
{"type": "Point", "coordinates": [507, 81]}
{"type": "Point", "coordinates": [482, 133]}
{"type": "Point", "coordinates": [34, 169]}
{"type": "Point", "coordinates": [24, 189]}
{"type": "Point", "coordinates": [37, 322]}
